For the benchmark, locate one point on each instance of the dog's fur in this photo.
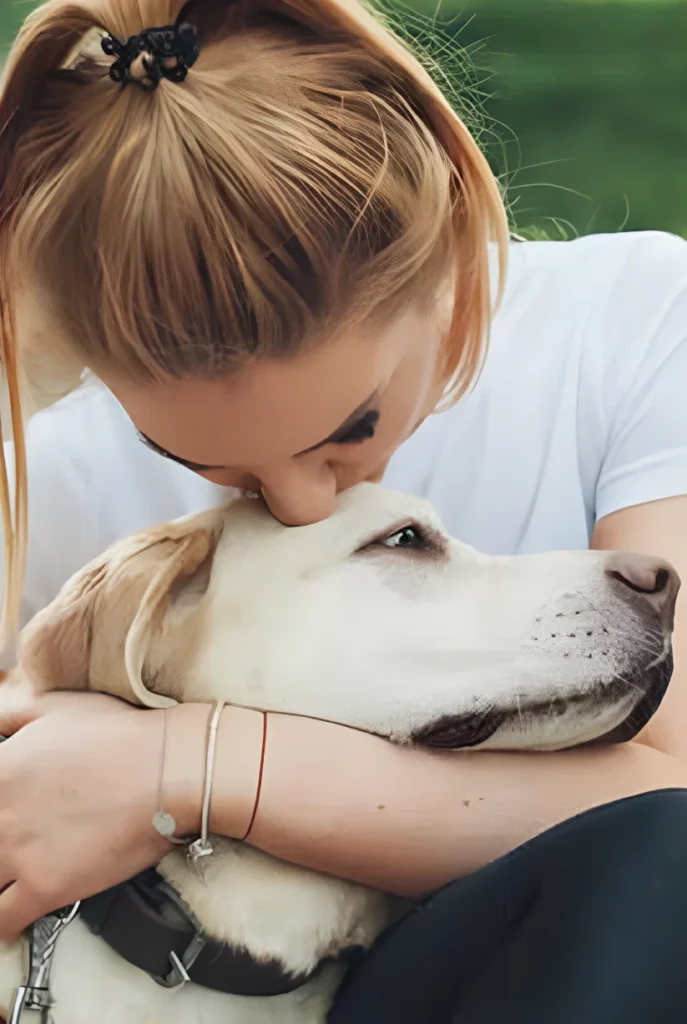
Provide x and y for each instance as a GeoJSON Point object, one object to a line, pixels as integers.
{"type": "Point", "coordinates": [439, 644]}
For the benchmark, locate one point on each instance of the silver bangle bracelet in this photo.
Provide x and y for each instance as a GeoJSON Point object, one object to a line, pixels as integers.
{"type": "Point", "coordinates": [163, 822]}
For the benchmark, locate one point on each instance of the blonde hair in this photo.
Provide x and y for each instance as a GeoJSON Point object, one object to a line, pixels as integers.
{"type": "Point", "coordinates": [307, 174]}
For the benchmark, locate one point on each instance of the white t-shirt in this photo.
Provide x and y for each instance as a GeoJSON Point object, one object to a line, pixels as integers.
{"type": "Point", "coordinates": [581, 410]}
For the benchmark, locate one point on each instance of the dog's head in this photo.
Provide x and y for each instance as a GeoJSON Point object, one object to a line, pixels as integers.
{"type": "Point", "coordinates": [374, 618]}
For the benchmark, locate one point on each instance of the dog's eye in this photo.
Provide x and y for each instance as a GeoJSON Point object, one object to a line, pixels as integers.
{"type": "Point", "coordinates": [425, 540]}
{"type": "Point", "coordinates": [408, 537]}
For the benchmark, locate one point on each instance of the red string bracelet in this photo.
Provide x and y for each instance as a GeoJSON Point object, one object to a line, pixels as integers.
{"type": "Point", "coordinates": [258, 792]}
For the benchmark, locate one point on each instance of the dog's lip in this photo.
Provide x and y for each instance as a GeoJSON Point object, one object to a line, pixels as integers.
{"type": "Point", "coordinates": [459, 732]}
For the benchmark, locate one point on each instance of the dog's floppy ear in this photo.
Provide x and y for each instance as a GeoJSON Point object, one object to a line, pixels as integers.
{"type": "Point", "coordinates": [96, 633]}
{"type": "Point", "coordinates": [54, 649]}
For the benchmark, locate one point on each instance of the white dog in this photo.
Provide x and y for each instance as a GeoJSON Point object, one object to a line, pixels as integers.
{"type": "Point", "coordinates": [374, 619]}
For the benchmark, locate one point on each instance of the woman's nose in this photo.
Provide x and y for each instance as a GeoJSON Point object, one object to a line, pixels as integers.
{"type": "Point", "coordinates": [298, 494]}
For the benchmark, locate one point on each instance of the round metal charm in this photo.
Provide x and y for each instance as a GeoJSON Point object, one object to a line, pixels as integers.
{"type": "Point", "coordinates": [164, 824]}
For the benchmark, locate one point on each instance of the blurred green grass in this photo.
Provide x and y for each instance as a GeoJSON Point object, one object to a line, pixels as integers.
{"type": "Point", "coordinates": [590, 98]}
{"type": "Point", "coordinates": [588, 107]}
{"type": "Point", "coordinates": [586, 100]}
{"type": "Point", "coordinates": [11, 14]}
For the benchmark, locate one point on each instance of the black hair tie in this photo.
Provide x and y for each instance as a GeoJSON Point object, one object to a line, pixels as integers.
{"type": "Point", "coordinates": [155, 54]}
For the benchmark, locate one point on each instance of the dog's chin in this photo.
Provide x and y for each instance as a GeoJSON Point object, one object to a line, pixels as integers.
{"type": "Point", "coordinates": [461, 732]}
{"type": "Point", "coordinates": [653, 684]}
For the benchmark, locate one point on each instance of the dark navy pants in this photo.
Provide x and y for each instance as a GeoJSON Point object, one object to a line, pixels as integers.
{"type": "Point", "coordinates": [586, 924]}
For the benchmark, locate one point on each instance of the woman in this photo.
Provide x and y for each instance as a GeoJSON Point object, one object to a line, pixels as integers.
{"type": "Point", "coordinates": [277, 248]}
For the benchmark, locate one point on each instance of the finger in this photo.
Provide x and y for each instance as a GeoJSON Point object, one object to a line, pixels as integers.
{"type": "Point", "coordinates": [19, 909]}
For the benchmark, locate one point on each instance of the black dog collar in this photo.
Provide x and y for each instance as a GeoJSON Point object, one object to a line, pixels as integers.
{"type": "Point", "coordinates": [147, 923]}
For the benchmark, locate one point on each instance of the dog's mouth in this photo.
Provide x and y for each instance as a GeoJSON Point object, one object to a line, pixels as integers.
{"type": "Point", "coordinates": [457, 733]}
{"type": "Point", "coordinates": [460, 732]}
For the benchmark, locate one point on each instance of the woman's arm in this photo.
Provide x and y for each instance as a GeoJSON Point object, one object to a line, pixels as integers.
{"type": "Point", "coordinates": [333, 799]}
{"type": "Point", "coordinates": [408, 821]}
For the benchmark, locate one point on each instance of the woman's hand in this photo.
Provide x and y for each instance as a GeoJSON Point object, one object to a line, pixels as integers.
{"type": "Point", "coordinates": [79, 784]}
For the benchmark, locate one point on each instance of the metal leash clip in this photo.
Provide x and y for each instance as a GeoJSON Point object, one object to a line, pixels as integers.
{"type": "Point", "coordinates": [35, 996]}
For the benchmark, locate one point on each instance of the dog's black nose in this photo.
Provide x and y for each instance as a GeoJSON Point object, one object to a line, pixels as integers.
{"type": "Point", "coordinates": [652, 579]}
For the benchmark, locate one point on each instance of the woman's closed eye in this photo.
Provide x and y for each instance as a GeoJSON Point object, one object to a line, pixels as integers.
{"type": "Point", "coordinates": [362, 430]}
{"type": "Point", "coordinates": [155, 447]}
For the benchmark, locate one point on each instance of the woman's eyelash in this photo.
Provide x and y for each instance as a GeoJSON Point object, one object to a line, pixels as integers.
{"type": "Point", "coordinates": [153, 447]}
{"type": "Point", "coordinates": [363, 430]}
{"type": "Point", "coordinates": [194, 466]}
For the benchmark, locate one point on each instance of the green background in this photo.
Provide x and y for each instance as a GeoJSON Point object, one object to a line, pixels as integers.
{"type": "Point", "coordinates": [586, 101]}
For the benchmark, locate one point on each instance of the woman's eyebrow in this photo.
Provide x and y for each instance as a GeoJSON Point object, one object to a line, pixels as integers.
{"type": "Point", "coordinates": [349, 422]}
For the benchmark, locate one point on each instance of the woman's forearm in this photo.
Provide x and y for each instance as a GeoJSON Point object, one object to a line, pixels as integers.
{"type": "Point", "coordinates": [407, 821]}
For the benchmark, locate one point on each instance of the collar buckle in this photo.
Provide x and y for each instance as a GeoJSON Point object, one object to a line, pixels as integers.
{"type": "Point", "coordinates": [179, 975]}
{"type": "Point", "coordinates": [28, 998]}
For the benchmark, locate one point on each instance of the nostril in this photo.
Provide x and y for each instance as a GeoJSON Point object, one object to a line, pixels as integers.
{"type": "Point", "coordinates": [640, 574]}
{"type": "Point", "coordinates": [639, 588]}
{"type": "Point", "coordinates": [662, 581]}
{"type": "Point", "coordinates": [642, 584]}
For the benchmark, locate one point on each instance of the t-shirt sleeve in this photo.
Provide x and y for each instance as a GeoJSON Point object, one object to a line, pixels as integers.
{"type": "Point", "coordinates": [61, 521]}
{"type": "Point", "coordinates": [642, 333]}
